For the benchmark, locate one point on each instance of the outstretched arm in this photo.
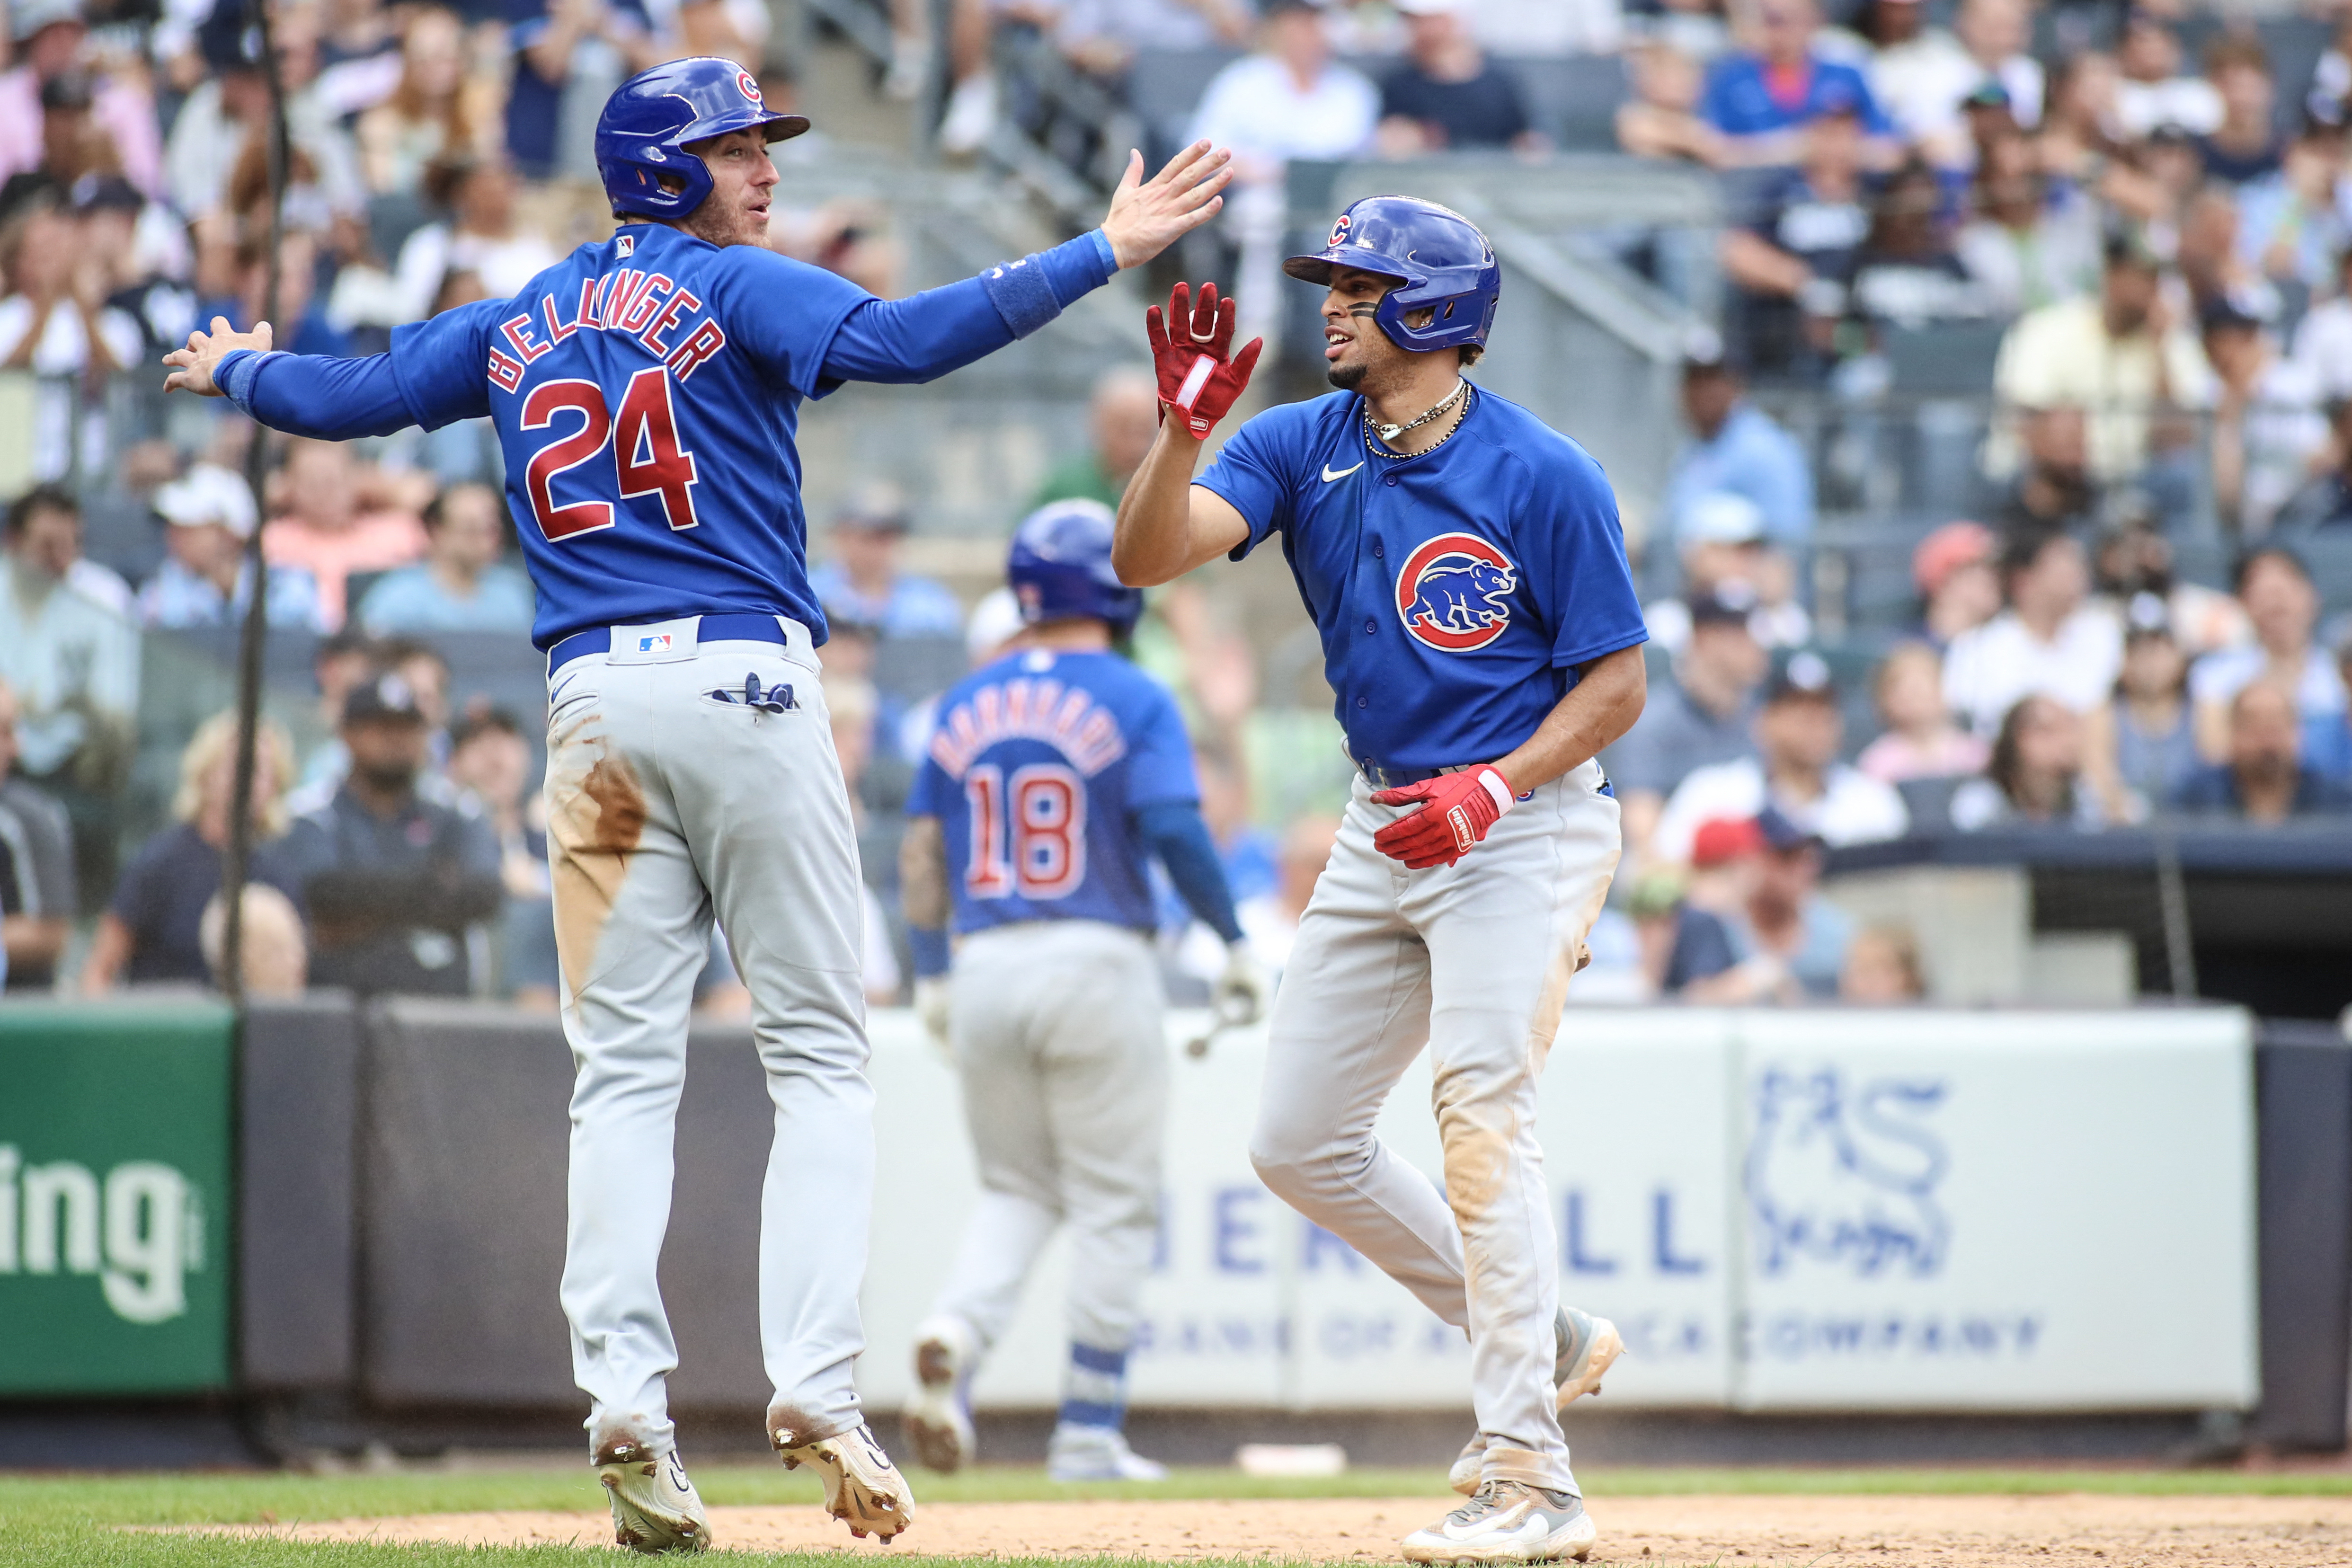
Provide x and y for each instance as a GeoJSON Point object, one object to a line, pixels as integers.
{"type": "Point", "coordinates": [339, 399]}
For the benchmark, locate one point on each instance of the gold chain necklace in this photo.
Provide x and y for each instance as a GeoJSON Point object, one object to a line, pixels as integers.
{"type": "Point", "coordinates": [1378, 446]}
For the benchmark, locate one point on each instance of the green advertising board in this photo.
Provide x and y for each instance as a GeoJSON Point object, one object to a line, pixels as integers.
{"type": "Point", "coordinates": [115, 1197]}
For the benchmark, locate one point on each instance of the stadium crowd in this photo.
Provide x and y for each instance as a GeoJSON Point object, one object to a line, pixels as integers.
{"type": "Point", "coordinates": [2151, 244]}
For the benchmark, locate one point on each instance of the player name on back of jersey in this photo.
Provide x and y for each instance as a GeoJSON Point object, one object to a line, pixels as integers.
{"type": "Point", "coordinates": [1023, 708]}
{"type": "Point", "coordinates": [647, 306]}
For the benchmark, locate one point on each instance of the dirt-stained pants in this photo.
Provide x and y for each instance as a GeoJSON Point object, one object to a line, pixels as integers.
{"type": "Point", "coordinates": [1473, 959]}
{"type": "Point", "coordinates": [685, 781]}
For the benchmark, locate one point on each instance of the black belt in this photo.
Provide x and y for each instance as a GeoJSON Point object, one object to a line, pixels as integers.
{"type": "Point", "coordinates": [742, 626]}
{"type": "Point", "coordinates": [1382, 777]}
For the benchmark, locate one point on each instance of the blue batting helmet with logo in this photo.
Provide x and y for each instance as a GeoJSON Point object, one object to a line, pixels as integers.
{"type": "Point", "coordinates": [648, 124]}
{"type": "Point", "coordinates": [1439, 257]}
{"type": "Point", "coordinates": [1060, 567]}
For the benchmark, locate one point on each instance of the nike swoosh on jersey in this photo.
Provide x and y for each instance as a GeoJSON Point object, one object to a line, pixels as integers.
{"type": "Point", "coordinates": [1342, 474]}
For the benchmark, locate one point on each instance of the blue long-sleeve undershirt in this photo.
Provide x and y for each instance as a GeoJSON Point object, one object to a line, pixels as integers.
{"type": "Point", "coordinates": [906, 340]}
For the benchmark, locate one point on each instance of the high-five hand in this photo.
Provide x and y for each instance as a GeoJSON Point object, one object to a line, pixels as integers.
{"type": "Point", "coordinates": [1192, 354]}
{"type": "Point", "coordinates": [206, 350]}
{"type": "Point", "coordinates": [1147, 216]}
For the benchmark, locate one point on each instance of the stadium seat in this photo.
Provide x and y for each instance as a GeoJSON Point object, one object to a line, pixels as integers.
{"type": "Point", "coordinates": [1573, 100]}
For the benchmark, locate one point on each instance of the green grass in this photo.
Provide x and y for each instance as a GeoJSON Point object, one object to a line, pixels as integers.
{"type": "Point", "coordinates": [77, 1520]}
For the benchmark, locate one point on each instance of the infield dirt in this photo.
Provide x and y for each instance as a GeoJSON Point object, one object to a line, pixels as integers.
{"type": "Point", "coordinates": [2105, 1531]}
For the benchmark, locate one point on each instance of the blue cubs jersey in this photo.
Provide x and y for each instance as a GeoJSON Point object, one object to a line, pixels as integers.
{"type": "Point", "coordinates": [646, 393]}
{"type": "Point", "coordinates": [1454, 590]}
{"type": "Point", "coordinates": [1035, 771]}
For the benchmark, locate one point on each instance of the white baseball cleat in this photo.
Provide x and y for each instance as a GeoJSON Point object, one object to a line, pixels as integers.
{"type": "Point", "coordinates": [1097, 1454]}
{"type": "Point", "coordinates": [936, 1423]}
{"type": "Point", "coordinates": [1583, 1349]}
{"type": "Point", "coordinates": [654, 1507]}
{"type": "Point", "coordinates": [1507, 1522]}
{"type": "Point", "coordinates": [862, 1488]}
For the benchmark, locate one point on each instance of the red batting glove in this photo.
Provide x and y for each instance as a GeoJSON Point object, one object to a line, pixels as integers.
{"type": "Point", "coordinates": [1199, 377]}
{"type": "Point", "coordinates": [1461, 808]}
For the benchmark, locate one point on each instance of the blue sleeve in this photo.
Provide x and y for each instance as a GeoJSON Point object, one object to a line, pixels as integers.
{"type": "Point", "coordinates": [1160, 755]}
{"type": "Point", "coordinates": [1714, 101]}
{"type": "Point", "coordinates": [1589, 597]}
{"type": "Point", "coordinates": [1787, 502]}
{"type": "Point", "coordinates": [1253, 472]}
{"type": "Point", "coordinates": [1177, 835]}
{"type": "Point", "coordinates": [932, 793]}
{"type": "Point", "coordinates": [436, 373]}
{"type": "Point", "coordinates": [941, 330]}
{"type": "Point", "coordinates": [1874, 116]}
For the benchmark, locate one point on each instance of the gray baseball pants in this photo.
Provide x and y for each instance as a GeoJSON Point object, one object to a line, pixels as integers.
{"type": "Point", "coordinates": [669, 804]}
{"type": "Point", "coordinates": [1473, 960]}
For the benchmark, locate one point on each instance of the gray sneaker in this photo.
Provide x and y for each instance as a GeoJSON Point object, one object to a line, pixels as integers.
{"type": "Point", "coordinates": [1507, 1522]}
{"type": "Point", "coordinates": [654, 1507]}
{"type": "Point", "coordinates": [1583, 1349]}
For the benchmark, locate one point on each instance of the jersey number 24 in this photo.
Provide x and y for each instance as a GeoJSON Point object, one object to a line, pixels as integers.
{"type": "Point", "coordinates": [1028, 831]}
{"type": "Point", "coordinates": [646, 457]}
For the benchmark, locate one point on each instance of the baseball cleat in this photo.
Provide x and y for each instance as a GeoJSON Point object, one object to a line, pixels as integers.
{"type": "Point", "coordinates": [936, 1423]}
{"type": "Point", "coordinates": [1507, 1522]}
{"type": "Point", "coordinates": [654, 1507]}
{"type": "Point", "coordinates": [862, 1488]}
{"type": "Point", "coordinates": [1097, 1454]}
{"type": "Point", "coordinates": [1583, 1349]}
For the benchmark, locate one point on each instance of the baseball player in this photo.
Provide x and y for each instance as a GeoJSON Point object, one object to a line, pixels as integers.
{"type": "Point", "coordinates": [1465, 568]}
{"type": "Point", "coordinates": [1054, 775]}
{"type": "Point", "coordinates": [646, 391]}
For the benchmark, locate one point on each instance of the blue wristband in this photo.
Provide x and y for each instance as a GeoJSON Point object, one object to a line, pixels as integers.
{"type": "Point", "coordinates": [236, 374]}
{"type": "Point", "coordinates": [1022, 294]}
{"type": "Point", "coordinates": [930, 945]}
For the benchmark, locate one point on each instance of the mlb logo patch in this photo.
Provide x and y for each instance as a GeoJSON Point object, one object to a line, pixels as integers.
{"type": "Point", "coordinates": [625, 245]}
{"type": "Point", "coordinates": [653, 643]}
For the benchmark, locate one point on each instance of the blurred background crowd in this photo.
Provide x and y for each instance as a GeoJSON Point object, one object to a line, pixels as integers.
{"type": "Point", "coordinates": [2004, 481]}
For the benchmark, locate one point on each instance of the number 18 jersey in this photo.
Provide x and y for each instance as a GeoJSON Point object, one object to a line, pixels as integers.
{"type": "Point", "coordinates": [1036, 768]}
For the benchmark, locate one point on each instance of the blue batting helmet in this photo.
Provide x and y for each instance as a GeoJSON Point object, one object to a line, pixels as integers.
{"type": "Point", "coordinates": [1060, 567]}
{"type": "Point", "coordinates": [1440, 259]}
{"type": "Point", "coordinates": [641, 137]}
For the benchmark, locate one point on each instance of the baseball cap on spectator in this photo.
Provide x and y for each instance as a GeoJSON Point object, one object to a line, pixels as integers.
{"type": "Point", "coordinates": [878, 508]}
{"type": "Point", "coordinates": [2147, 616]}
{"type": "Point", "coordinates": [2126, 244]}
{"type": "Point", "coordinates": [26, 17]}
{"type": "Point", "coordinates": [105, 194]}
{"type": "Point", "coordinates": [1779, 834]}
{"type": "Point", "coordinates": [1721, 838]}
{"type": "Point", "coordinates": [1702, 348]}
{"type": "Point", "coordinates": [68, 91]}
{"type": "Point", "coordinates": [1946, 550]}
{"type": "Point", "coordinates": [1720, 518]}
{"type": "Point", "coordinates": [1726, 606]}
{"type": "Point", "coordinates": [1654, 893]}
{"type": "Point", "coordinates": [1987, 94]}
{"type": "Point", "coordinates": [2227, 312]}
{"type": "Point", "coordinates": [386, 699]}
{"type": "Point", "coordinates": [208, 493]}
{"type": "Point", "coordinates": [1800, 674]}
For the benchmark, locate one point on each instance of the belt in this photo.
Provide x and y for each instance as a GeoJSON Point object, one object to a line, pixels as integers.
{"type": "Point", "coordinates": [1380, 778]}
{"type": "Point", "coordinates": [741, 626]}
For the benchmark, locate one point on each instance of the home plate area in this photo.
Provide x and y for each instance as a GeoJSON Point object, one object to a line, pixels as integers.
{"type": "Point", "coordinates": [1976, 1532]}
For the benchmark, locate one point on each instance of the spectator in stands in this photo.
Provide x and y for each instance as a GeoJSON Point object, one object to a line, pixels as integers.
{"type": "Point", "coordinates": [1906, 275]}
{"type": "Point", "coordinates": [1448, 96]}
{"type": "Point", "coordinates": [2133, 568]}
{"type": "Point", "coordinates": [1720, 539]}
{"type": "Point", "coordinates": [54, 533]}
{"type": "Point", "coordinates": [273, 954]}
{"type": "Point", "coordinates": [1795, 769]}
{"type": "Point", "coordinates": [55, 323]}
{"type": "Point", "coordinates": [2036, 777]}
{"type": "Point", "coordinates": [2155, 741]}
{"type": "Point", "coordinates": [2327, 741]}
{"type": "Point", "coordinates": [1681, 943]}
{"type": "Point", "coordinates": [72, 663]}
{"type": "Point", "coordinates": [1921, 75]}
{"type": "Point", "coordinates": [2120, 356]}
{"type": "Point", "coordinates": [2030, 244]}
{"type": "Point", "coordinates": [49, 36]}
{"type": "Point", "coordinates": [1785, 915]}
{"type": "Point", "coordinates": [2152, 90]}
{"type": "Point", "coordinates": [489, 761]}
{"type": "Point", "coordinates": [2291, 224]}
{"type": "Point", "coordinates": [1550, 27]}
{"type": "Point", "coordinates": [1705, 713]}
{"type": "Point", "coordinates": [1882, 968]}
{"type": "Point", "coordinates": [1920, 740]}
{"type": "Point", "coordinates": [461, 585]}
{"type": "Point", "coordinates": [1959, 590]}
{"type": "Point", "coordinates": [2275, 587]}
{"type": "Point", "coordinates": [2209, 253]}
{"type": "Point", "coordinates": [436, 111]}
{"type": "Point", "coordinates": [1760, 96]}
{"type": "Point", "coordinates": [2268, 436]}
{"type": "Point", "coordinates": [38, 901]}
{"type": "Point", "coordinates": [391, 881]}
{"type": "Point", "coordinates": [1102, 37]}
{"type": "Point", "coordinates": [150, 931]}
{"type": "Point", "coordinates": [1789, 265]}
{"type": "Point", "coordinates": [1736, 448]}
{"type": "Point", "coordinates": [340, 662]}
{"type": "Point", "coordinates": [2245, 147]}
{"type": "Point", "coordinates": [2053, 491]}
{"type": "Point", "coordinates": [2261, 778]}
{"type": "Point", "coordinates": [1290, 99]}
{"type": "Point", "coordinates": [569, 55]}
{"type": "Point", "coordinates": [1661, 119]}
{"type": "Point", "coordinates": [222, 124]}
{"type": "Point", "coordinates": [319, 525]}
{"type": "Point", "coordinates": [862, 581]}
{"type": "Point", "coordinates": [2324, 340]}
{"type": "Point", "coordinates": [1123, 419]}
{"type": "Point", "coordinates": [1725, 868]}
{"type": "Point", "coordinates": [2048, 641]}
{"type": "Point", "coordinates": [204, 580]}
{"type": "Point", "coordinates": [2326, 501]}
{"type": "Point", "coordinates": [483, 235]}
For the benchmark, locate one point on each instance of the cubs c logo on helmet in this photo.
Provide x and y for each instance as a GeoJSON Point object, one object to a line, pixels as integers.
{"type": "Point", "coordinates": [750, 89]}
{"type": "Point", "coordinates": [1339, 231]}
{"type": "Point", "coordinates": [1453, 593]}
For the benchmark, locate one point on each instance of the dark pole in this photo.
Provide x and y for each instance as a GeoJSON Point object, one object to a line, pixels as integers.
{"type": "Point", "coordinates": [257, 572]}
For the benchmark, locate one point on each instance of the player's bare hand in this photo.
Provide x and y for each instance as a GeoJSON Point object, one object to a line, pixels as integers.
{"type": "Point", "coordinates": [1147, 216]}
{"type": "Point", "coordinates": [194, 365]}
